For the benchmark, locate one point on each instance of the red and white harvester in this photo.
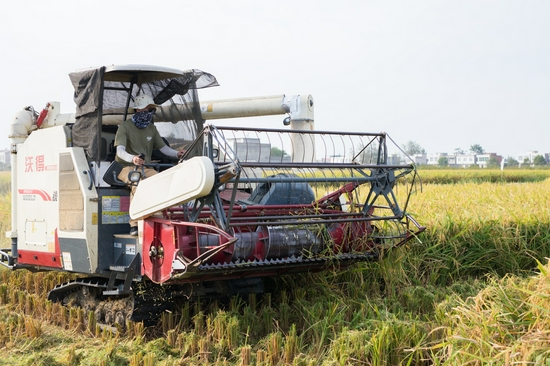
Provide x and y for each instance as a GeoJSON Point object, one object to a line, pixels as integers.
{"type": "Point", "coordinates": [241, 205]}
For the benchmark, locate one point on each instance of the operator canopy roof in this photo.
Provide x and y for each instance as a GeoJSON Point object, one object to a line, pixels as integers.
{"type": "Point", "coordinates": [105, 95]}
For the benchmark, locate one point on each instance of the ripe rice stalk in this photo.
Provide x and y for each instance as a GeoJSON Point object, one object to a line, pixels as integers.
{"type": "Point", "coordinates": [48, 311]}
{"type": "Point", "coordinates": [194, 344]}
{"type": "Point", "coordinates": [214, 306]}
{"type": "Point", "coordinates": [149, 359]}
{"type": "Point", "coordinates": [119, 330]}
{"type": "Point", "coordinates": [284, 311]}
{"type": "Point", "coordinates": [167, 320]}
{"type": "Point", "coordinates": [129, 328]}
{"type": "Point", "coordinates": [197, 307]}
{"type": "Point", "coordinates": [249, 320]}
{"type": "Point", "coordinates": [10, 333]}
{"type": "Point", "coordinates": [3, 294]}
{"type": "Point", "coordinates": [268, 319]}
{"type": "Point", "coordinates": [55, 317]}
{"type": "Point", "coordinates": [81, 319]}
{"type": "Point", "coordinates": [38, 281]}
{"type": "Point", "coordinates": [10, 294]}
{"type": "Point", "coordinates": [91, 326]}
{"type": "Point", "coordinates": [204, 349]}
{"type": "Point", "coordinates": [215, 327]}
{"type": "Point", "coordinates": [185, 317]}
{"type": "Point", "coordinates": [72, 359]}
{"type": "Point", "coordinates": [261, 357]}
{"type": "Point", "coordinates": [21, 301]}
{"type": "Point", "coordinates": [20, 324]}
{"type": "Point", "coordinates": [235, 304]}
{"type": "Point", "coordinates": [233, 333]}
{"type": "Point", "coordinates": [29, 283]}
{"type": "Point", "coordinates": [188, 343]}
{"type": "Point", "coordinates": [291, 345]}
{"type": "Point", "coordinates": [3, 335]}
{"type": "Point", "coordinates": [274, 346]}
{"type": "Point", "coordinates": [350, 345]}
{"type": "Point", "coordinates": [29, 305]}
{"type": "Point", "coordinates": [63, 314]}
{"type": "Point", "coordinates": [171, 337]}
{"type": "Point", "coordinates": [181, 343]}
{"type": "Point", "coordinates": [106, 334]}
{"type": "Point", "coordinates": [13, 294]}
{"type": "Point", "coordinates": [209, 326]}
{"type": "Point", "coordinates": [245, 354]}
{"type": "Point", "coordinates": [33, 327]}
{"type": "Point", "coordinates": [40, 305]}
{"type": "Point", "coordinates": [199, 323]}
{"type": "Point", "coordinates": [138, 333]}
{"type": "Point", "coordinates": [136, 359]}
{"type": "Point", "coordinates": [73, 320]}
{"type": "Point", "coordinates": [284, 315]}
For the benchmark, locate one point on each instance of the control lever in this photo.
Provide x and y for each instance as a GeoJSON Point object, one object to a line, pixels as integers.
{"type": "Point", "coordinates": [135, 175]}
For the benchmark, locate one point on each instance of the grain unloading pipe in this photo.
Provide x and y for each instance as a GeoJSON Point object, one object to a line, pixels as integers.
{"type": "Point", "coordinates": [299, 109]}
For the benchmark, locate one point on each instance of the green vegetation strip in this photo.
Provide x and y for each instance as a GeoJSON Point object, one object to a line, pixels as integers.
{"type": "Point", "coordinates": [454, 176]}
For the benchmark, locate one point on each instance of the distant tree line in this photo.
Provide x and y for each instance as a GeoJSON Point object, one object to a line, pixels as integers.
{"type": "Point", "coordinates": [413, 148]}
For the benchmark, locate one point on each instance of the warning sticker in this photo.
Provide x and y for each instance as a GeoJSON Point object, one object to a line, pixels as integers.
{"type": "Point", "coordinates": [114, 209]}
{"type": "Point", "coordinates": [115, 218]}
{"type": "Point", "coordinates": [67, 262]}
{"type": "Point", "coordinates": [110, 204]}
{"type": "Point", "coordinates": [130, 249]}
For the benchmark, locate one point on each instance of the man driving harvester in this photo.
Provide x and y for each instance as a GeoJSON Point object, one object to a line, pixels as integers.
{"type": "Point", "coordinates": [135, 141]}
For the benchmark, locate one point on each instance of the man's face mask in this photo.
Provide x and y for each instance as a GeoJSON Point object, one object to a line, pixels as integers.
{"type": "Point", "coordinates": [142, 119]}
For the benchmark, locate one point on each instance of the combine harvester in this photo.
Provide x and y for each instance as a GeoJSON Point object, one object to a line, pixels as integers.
{"type": "Point", "coordinates": [242, 204]}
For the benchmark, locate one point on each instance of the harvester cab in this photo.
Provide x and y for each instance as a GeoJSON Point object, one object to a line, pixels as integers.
{"type": "Point", "coordinates": [241, 204]}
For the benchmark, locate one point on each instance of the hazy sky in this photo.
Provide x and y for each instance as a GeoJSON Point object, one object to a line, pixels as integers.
{"type": "Point", "coordinates": [446, 74]}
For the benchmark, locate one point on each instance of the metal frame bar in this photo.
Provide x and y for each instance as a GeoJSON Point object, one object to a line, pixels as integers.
{"type": "Point", "coordinates": [307, 132]}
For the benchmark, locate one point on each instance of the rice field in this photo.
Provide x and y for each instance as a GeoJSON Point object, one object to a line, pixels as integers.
{"type": "Point", "coordinates": [473, 289]}
{"type": "Point", "coordinates": [5, 207]}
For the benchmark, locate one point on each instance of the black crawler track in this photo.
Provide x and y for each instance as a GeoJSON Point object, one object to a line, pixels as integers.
{"type": "Point", "coordinates": [144, 304]}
